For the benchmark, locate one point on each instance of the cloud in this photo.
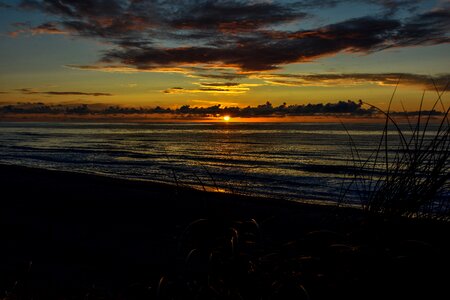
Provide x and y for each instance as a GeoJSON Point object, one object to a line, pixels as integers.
{"type": "Point", "coordinates": [53, 93]}
{"type": "Point", "coordinates": [219, 84]}
{"type": "Point", "coordinates": [264, 110]}
{"type": "Point", "coordinates": [432, 27]}
{"type": "Point", "coordinates": [245, 35]}
{"type": "Point", "coordinates": [45, 28]}
{"type": "Point", "coordinates": [214, 102]}
{"type": "Point", "coordinates": [96, 18]}
{"type": "Point", "coordinates": [217, 75]}
{"type": "Point", "coordinates": [69, 8]}
{"type": "Point", "coordinates": [193, 72]}
{"type": "Point", "coordinates": [349, 79]}
{"type": "Point", "coordinates": [342, 109]}
{"type": "Point", "coordinates": [269, 50]}
{"type": "Point", "coordinates": [178, 90]}
{"type": "Point", "coordinates": [126, 69]}
{"type": "Point", "coordinates": [234, 16]}
{"type": "Point", "coordinates": [209, 90]}
{"type": "Point", "coordinates": [389, 7]}
{"type": "Point", "coordinates": [214, 88]}
{"type": "Point", "coordinates": [232, 78]}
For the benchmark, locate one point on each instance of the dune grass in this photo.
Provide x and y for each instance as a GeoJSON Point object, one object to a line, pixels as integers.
{"type": "Point", "coordinates": [226, 259]}
{"type": "Point", "coordinates": [407, 175]}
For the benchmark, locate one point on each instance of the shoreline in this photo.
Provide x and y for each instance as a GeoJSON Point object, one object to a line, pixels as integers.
{"type": "Point", "coordinates": [202, 189]}
{"type": "Point", "coordinates": [11, 175]}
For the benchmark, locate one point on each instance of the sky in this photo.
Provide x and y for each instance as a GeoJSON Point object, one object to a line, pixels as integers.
{"type": "Point", "coordinates": [147, 53]}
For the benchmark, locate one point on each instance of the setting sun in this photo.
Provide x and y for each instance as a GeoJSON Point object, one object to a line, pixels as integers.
{"type": "Point", "coordinates": [226, 118]}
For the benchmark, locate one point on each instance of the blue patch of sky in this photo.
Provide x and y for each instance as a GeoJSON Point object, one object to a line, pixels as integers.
{"type": "Point", "coordinates": [40, 53]}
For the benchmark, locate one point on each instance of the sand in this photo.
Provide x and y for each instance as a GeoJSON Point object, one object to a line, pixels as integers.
{"type": "Point", "coordinates": [65, 234]}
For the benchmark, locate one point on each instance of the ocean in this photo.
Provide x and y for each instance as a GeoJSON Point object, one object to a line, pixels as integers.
{"type": "Point", "coordinates": [292, 161]}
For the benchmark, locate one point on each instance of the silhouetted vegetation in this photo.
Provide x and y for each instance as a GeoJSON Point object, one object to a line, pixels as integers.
{"type": "Point", "coordinates": [409, 174]}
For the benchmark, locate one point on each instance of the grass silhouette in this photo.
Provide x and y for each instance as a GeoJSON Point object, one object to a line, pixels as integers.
{"type": "Point", "coordinates": [415, 166]}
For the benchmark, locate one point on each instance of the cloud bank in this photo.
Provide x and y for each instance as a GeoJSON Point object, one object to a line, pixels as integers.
{"type": "Point", "coordinates": [342, 108]}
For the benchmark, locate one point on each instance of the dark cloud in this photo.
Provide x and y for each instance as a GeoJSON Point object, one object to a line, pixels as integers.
{"type": "Point", "coordinates": [75, 9]}
{"type": "Point", "coordinates": [270, 50]}
{"type": "Point", "coordinates": [4, 5]}
{"type": "Point", "coordinates": [76, 93]}
{"type": "Point", "coordinates": [233, 16]}
{"type": "Point", "coordinates": [223, 84]}
{"type": "Point", "coordinates": [45, 28]}
{"type": "Point", "coordinates": [428, 28]}
{"type": "Point", "coordinates": [148, 35]}
{"type": "Point", "coordinates": [395, 4]}
{"type": "Point", "coordinates": [33, 92]}
{"type": "Point", "coordinates": [342, 109]}
{"type": "Point", "coordinates": [349, 108]}
{"type": "Point", "coordinates": [96, 18]}
{"type": "Point", "coordinates": [389, 6]}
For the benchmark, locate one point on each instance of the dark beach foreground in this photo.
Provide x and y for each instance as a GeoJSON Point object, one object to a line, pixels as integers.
{"type": "Point", "coordinates": [76, 236]}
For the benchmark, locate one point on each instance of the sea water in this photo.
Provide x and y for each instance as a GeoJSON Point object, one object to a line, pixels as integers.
{"type": "Point", "coordinates": [293, 161]}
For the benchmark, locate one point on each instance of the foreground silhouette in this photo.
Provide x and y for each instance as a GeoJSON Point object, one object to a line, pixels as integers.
{"type": "Point", "coordinates": [75, 236]}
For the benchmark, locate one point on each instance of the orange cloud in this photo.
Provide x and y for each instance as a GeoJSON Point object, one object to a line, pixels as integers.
{"type": "Point", "coordinates": [46, 28]}
{"type": "Point", "coordinates": [352, 79]}
{"type": "Point", "coordinates": [214, 88]}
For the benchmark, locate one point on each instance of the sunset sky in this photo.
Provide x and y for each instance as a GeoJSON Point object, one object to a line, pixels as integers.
{"type": "Point", "coordinates": [234, 53]}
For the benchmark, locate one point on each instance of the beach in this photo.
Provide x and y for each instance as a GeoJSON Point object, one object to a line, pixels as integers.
{"type": "Point", "coordinates": [224, 150]}
{"type": "Point", "coordinates": [67, 234]}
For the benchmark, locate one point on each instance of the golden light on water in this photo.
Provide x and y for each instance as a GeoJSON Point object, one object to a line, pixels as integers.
{"type": "Point", "coordinates": [226, 118]}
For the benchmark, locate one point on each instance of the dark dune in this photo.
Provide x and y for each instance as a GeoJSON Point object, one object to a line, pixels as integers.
{"type": "Point", "coordinates": [65, 235]}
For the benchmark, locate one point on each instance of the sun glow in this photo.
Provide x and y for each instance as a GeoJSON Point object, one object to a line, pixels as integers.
{"type": "Point", "coordinates": [226, 118]}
